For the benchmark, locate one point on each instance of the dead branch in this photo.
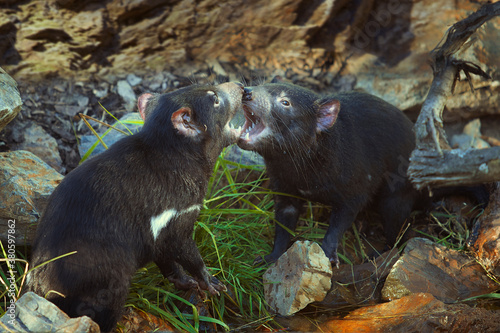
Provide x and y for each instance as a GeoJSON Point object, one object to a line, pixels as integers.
{"type": "Point", "coordinates": [456, 167]}
{"type": "Point", "coordinates": [431, 162]}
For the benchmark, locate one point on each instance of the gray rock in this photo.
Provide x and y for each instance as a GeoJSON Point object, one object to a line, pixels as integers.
{"type": "Point", "coordinates": [126, 92]}
{"type": "Point", "coordinates": [35, 139]}
{"type": "Point", "coordinates": [133, 80]}
{"type": "Point", "coordinates": [101, 90]}
{"type": "Point", "coordinates": [302, 275]}
{"type": "Point", "coordinates": [461, 141]}
{"type": "Point", "coordinates": [245, 157]}
{"type": "Point", "coordinates": [32, 313]}
{"type": "Point", "coordinates": [470, 138]}
{"type": "Point", "coordinates": [82, 101]}
{"type": "Point", "coordinates": [428, 267]}
{"type": "Point", "coordinates": [10, 100]}
{"type": "Point", "coordinates": [27, 183]}
{"type": "Point", "coordinates": [87, 141]}
{"type": "Point", "coordinates": [155, 83]}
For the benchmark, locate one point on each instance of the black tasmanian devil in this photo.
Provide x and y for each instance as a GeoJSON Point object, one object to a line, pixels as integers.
{"type": "Point", "coordinates": [135, 203]}
{"type": "Point", "coordinates": [344, 150]}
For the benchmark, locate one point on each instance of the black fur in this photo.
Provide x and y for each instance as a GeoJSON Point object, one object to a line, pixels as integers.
{"type": "Point", "coordinates": [103, 208]}
{"type": "Point", "coordinates": [345, 150]}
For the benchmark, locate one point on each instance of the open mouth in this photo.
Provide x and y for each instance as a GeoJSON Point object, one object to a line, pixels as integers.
{"type": "Point", "coordinates": [253, 125]}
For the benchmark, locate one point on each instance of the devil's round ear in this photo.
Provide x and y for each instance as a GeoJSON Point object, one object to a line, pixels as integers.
{"type": "Point", "coordinates": [142, 103]}
{"type": "Point", "coordinates": [183, 122]}
{"type": "Point", "coordinates": [327, 115]}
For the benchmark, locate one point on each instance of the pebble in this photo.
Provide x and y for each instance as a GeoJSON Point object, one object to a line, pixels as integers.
{"type": "Point", "coordinates": [134, 80]}
{"type": "Point", "coordinates": [126, 92]}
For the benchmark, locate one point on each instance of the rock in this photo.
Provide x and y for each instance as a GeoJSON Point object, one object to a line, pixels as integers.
{"type": "Point", "coordinates": [473, 129]}
{"type": "Point", "coordinates": [244, 157]}
{"type": "Point", "coordinates": [432, 268]}
{"type": "Point", "coordinates": [101, 90]}
{"type": "Point", "coordinates": [126, 92]}
{"type": "Point", "coordinates": [27, 183]}
{"type": "Point", "coordinates": [485, 237]}
{"type": "Point", "coordinates": [461, 141]}
{"type": "Point", "coordinates": [71, 105]}
{"type": "Point", "coordinates": [302, 275]}
{"type": "Point", "coordinates": [87, 141]}
{"type": "Point", "coordinates": [415, 313]}
{"type": "Point", "coordinates": [10, 100]}
{"type": "Point", "coordinates": [32, 313]}
{"type": "Point", "coordinates": [155, 82]}
{"type": "Point", "coordinates": [470, 138]}
{"type": "Point", "coordinates": [35, 139]}
{"type": "Point", "coordinates": [133, 80]}
{"type": "Point", "coordinates": [359, 284]}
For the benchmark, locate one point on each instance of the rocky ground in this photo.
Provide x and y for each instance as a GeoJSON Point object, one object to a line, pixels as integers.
{"type": "Point", "coordinates": [49, 123]}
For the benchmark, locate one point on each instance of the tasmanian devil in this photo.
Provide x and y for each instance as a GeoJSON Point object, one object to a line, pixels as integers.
{"type": "Point", "coordinates": [344, 150]}
{"type": "Point", "coordinates": [137, 202]}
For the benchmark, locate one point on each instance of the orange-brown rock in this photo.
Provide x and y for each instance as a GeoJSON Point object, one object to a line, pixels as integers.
{"type": "Point", "coordinates": [415, 313]}
{"type": "Point", "coordinates": [485, 241]}
{"type": "Point", "coordinates": [428, 267]}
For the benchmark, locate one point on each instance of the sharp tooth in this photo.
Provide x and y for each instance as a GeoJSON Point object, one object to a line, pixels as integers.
{"type": "Point", "coordinates": [247, 136]}
{"type": "Point", "coordinates": [252, 113]}
{"type": "Point", "coordinates": [239, 129]}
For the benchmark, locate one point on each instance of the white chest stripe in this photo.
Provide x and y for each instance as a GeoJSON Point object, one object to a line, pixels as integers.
{"type": "Point", "coordinates": [160, 221]}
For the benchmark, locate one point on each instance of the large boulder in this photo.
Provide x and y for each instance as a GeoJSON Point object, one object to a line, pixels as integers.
{"type": "Point", "coordinates": [27, 183]}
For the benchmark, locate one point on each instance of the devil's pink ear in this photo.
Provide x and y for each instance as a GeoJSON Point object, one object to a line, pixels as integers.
{"type": "Point", "coordinates": [183, 122]}
{"type": "Point", "coordinates": [327, 115]}
{"type": "Point", "coordinates": [142, 103]}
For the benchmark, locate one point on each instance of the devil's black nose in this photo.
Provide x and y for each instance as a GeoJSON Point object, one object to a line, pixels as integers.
{"type": "Point", "coordinates": [247, 94]}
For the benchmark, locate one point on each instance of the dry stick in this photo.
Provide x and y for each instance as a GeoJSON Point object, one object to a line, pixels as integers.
{"type": "Point", "coordinates": [432, 162]}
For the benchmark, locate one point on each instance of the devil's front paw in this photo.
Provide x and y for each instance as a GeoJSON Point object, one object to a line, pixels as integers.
{"type": "Point", "coordinates": [183, 282]}
{"type": "Point", "coordinates": [212, 285]}
{"type": "Point", "coordinates": [332, 255]}
{"type": "Point", "coordinates": [215, 286]}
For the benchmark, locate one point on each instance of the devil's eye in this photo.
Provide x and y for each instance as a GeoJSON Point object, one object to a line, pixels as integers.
{"type": "Point", "coordinates": [214, 97]}
{"type": "Point", "coordinates": [285, 102]}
